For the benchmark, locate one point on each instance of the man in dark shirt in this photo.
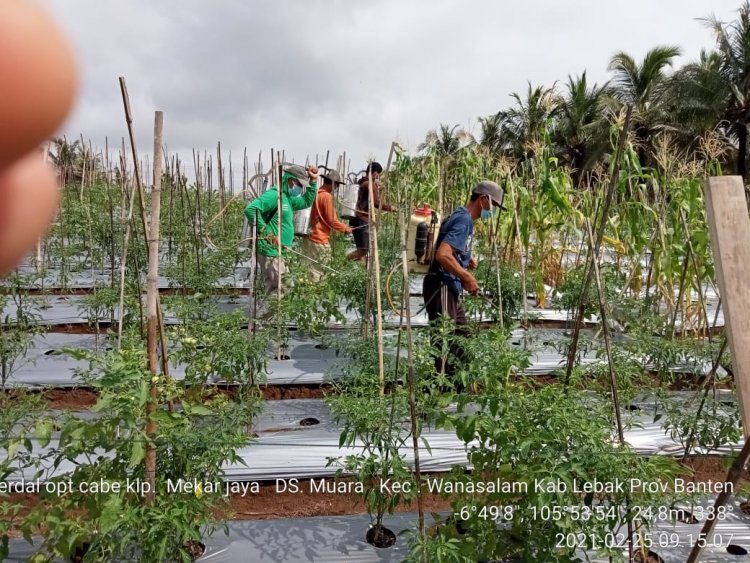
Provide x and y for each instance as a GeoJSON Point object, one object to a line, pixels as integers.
{"type": "Point", "coordinates": [449, 271]}
{"type": "Point", "coordinates": [361, 222]}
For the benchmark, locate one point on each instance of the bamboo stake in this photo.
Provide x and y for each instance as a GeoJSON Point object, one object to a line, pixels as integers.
{"type": "Point", "coordinates": [376, 267]}
{"type": "Point", "coordinates": [128, 223]}
{"type": "Point", "coordinates": [172, 183]}
{"type": "Point", "coordinates": [83, 169]}
{"type": "Point", "coordinates": [600, 235]}
{"type": "Point", "coordinates": [134, 149]}
{"type": "Point", "coordinates": [222, 195]}
{"type": "Point", "coordinates": [152, 305]}
{"type": "Point", "coordinates": [411, 374]}
{"type": "Point", "coordinates": [39, 239]}
{"type": "Point", "coordinates": [610, 366]}
{"type": "Point", "coordinates": [279, 177]}
{"type": "Point", "coordinates": [245, 169]}
{"type": "Point", "coordinates": [495, 233]}
{"type": "Point", "coordinates": [231, 175]}
{"type": "Point", "coordinates": [694, 260]}
{"type": "Point", "coordinates": [525, 319]}
{"type": "Point", "coordinates": [607, 345]}
{"type": "Point", "coordinates": [368, 295]}
{"type": "Point", "coordinates": [683, 276]}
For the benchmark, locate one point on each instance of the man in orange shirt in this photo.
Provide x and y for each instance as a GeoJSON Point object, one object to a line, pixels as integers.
{"type": "Point", "coordinates": [323, 220]}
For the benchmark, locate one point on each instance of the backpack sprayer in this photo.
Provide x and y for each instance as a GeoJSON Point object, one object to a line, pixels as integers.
{"type": "Point", "coordinates": [420, 239]}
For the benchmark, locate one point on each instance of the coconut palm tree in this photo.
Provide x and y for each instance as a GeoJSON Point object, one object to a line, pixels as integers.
{"type": "Point", "coordinates": [67, 157]}
{"type": "Point", "coordinates": [700, 97]}
{"type": "Point", "coordinates": [715, 90]}
{"type": "Point", "coordinates": [445, 141]}
{"type": "Point", "coordinates": [581, 131]}
{"type": "Point", "coordinates": [523, 126]}
{"type": "Point", "coordinates": [645, 87]}
{"type": "Point", "coordinates": [490, 138]}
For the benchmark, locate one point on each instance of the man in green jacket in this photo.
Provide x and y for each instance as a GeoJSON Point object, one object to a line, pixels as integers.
{"type": "Point", "coordinates": [263, 210]}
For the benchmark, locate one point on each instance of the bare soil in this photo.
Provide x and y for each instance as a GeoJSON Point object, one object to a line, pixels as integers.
{"type": "Point", "coordinates": [73, 398]}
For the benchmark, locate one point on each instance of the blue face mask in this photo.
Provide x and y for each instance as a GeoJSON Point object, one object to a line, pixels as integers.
{"type": "Point", "coordinates": [295, 191]}
{"type": "Point", "coordinates": [487, 213]}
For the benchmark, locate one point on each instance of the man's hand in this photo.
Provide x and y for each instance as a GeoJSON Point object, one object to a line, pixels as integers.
{"type": "Point", "coordinates": [470, 284]}
{"type": "Point", "coordinates": [472, 263]}
{"type": "Point", "coordinates": [273, 239]}
{"type": "Point", "coordinates": [312, 173]}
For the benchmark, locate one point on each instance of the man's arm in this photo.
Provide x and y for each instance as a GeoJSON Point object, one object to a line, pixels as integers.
{"type": "Point", "coordinates": [376, 202]}
{"type": "Point", "coordinates": [448, 262]}
{"type": "Point", "coordinates": [306, 199]}
{"type": "Point", "coordinates": [328, 215]}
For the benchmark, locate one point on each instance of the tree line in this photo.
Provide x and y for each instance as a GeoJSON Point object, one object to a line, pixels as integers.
{"type": "Point", "coordinates": [707, 100]}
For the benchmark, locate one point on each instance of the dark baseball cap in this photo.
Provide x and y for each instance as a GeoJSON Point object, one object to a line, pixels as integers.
{"type": "Point", "coordinates": [496, 193]}
{"type": "Point", "coordinates": [299, 173]}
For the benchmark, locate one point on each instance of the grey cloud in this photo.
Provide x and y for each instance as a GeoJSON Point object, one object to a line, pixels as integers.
{"type": "Point", "coordinates": [342, 75]}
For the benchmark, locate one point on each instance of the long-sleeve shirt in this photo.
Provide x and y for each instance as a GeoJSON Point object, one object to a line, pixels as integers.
{"type": "Point", "coordinates": [323, 218]}
{"type": "Point", "coordinates": [267, 203]}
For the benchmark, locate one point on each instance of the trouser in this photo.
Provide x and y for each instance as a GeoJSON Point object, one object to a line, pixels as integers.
{"type": "Point", "coordinates": [361, 233]}
{"type": "Point", "coordinates": [320, 257]}
{"type": "Point", "coordinates": [273, 269]}
{"type": "Point", "coordinates": [440, 300]}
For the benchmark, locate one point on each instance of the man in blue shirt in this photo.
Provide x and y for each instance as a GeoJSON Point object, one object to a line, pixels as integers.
{"type": "Point", "coordinates": [449, 273]}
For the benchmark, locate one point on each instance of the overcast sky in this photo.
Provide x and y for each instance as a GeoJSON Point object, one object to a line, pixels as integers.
{"type": "Point", "coordinates": [343, 75]}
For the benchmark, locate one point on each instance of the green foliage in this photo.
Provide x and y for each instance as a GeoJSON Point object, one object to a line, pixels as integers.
{"type": "Point", "coordinates": [373, 423]}
{"type": "Point", "coordinates": [308, 304]}
{"type": "Point", "coordinates": [20, 422]}
{"type": "Point", "coordinates": [193, 442]}
{"type": "Point", "coordinates": [540, 443]}
{"type": "Point", "coordinates": [102, 303]}
{"type": "Point", "coordinates": [17, 330]}
{"type": "Point", "coordinates": [218, 349]}
{"type": "Point", "coordinates": [716, 427]}
{"type": "Point", "coordinates": [509, 293]}
{"type": "Point", "coordinates": [568, 294]}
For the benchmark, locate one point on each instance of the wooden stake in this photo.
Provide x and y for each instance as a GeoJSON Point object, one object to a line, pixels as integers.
{"type": "Point", "coordinates": [134, 149]}
{"type": "Point", "coordinates": [152, 296]}
{"type": "Point", "coordinates": [128, 222]}
{"type": "Point", "coordinates": [726, 213]}
{"type": "Point", "coordinates": [279, 177]}
{"type": "Point", "coordinates": [524, 300]}
{"type": "Point", "coordinates": [605, 332]}
{"type": "Point", "coordinates": [376, 267]}
{"type": "Point", "coordinates": [412, 377]}
{"type": "Point", "coordinates": [495, 233]}
{"type": "Point", "coordinates": [599, 237]}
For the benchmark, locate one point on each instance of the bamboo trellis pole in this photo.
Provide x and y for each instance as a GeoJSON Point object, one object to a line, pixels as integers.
{"type": "Point", "coordinates": [128, 222]}
{"type": "Point", "coordinates": [375, 259]}
{"type": "Point", "coordinates": [412, 378]}
{"type": "Point", "coordinates": [597, 246]}
{"type": "Point", "coordinates": [279, 328]}
{"type": "Point", "coordinates": [152, 301]}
